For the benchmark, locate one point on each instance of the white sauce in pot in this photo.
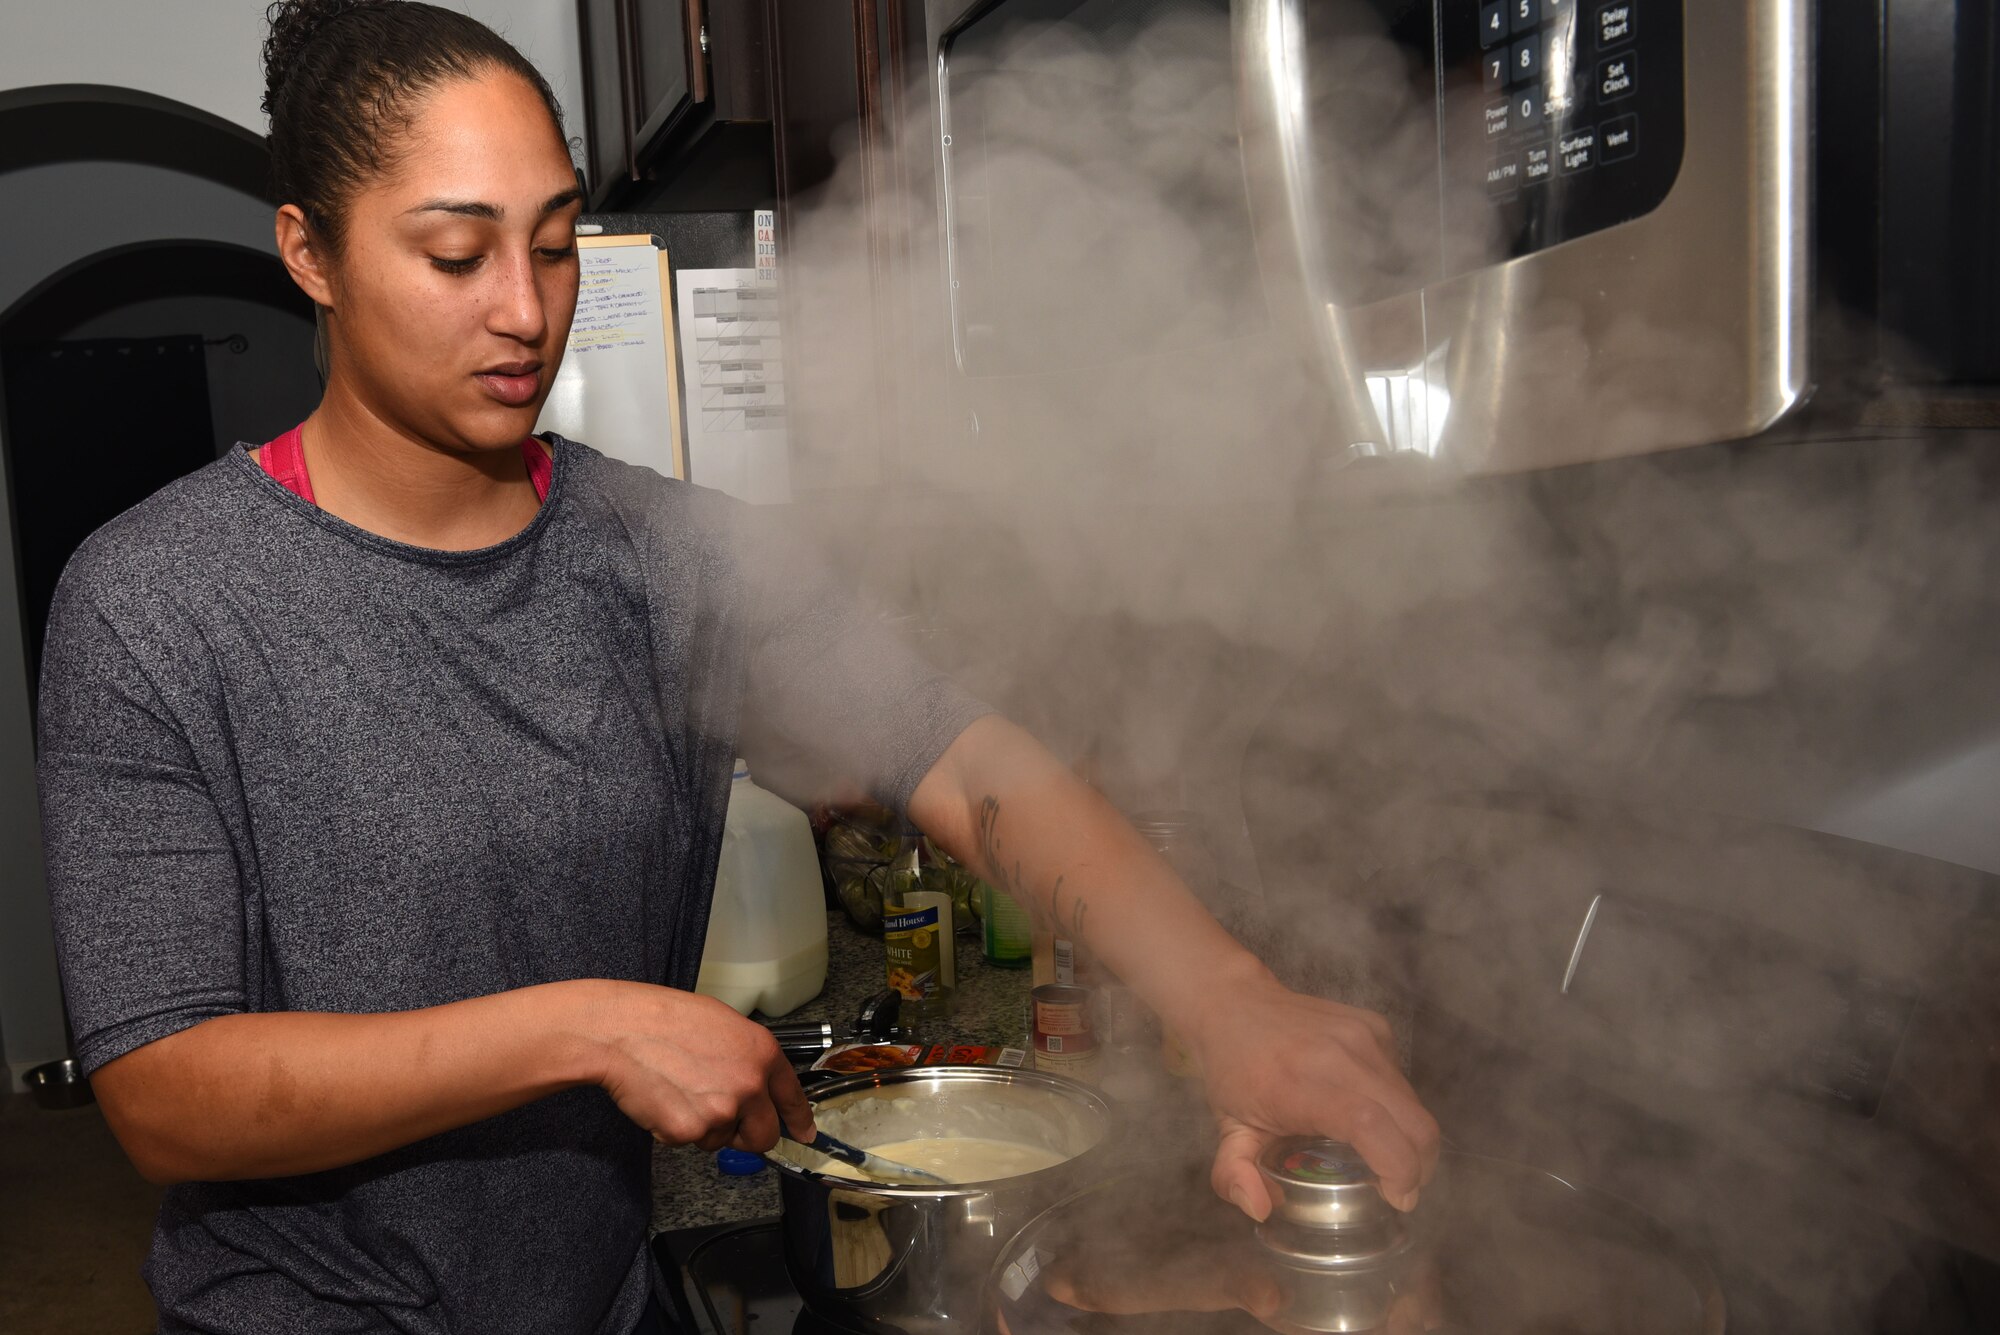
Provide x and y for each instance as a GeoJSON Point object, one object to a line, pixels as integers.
{"type": "Point", "coordinates": [957, 1159]}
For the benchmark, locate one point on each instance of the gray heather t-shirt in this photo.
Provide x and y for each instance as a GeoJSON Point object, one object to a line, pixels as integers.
{"type": "Point", "coordinates": [290, 765]}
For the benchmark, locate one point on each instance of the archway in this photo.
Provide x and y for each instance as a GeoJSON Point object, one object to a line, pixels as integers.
{"type": "Point", "coordinates": [74, 122]}
{"type": "Point", "coordinates": [152, 236]}
{"type": "Point", "coordinates": [131, 217]}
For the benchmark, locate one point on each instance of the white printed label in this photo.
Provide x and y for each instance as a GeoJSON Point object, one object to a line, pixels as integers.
{"type": "Point", "coordinates": [766, 222]}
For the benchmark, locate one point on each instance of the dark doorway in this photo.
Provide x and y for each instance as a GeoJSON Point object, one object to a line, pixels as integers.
{"type": "Point", "coordinates": [258, 325]}
{"type": "Point", "coordinates": [94, 426]}
{"type": "Point", "coordinates": [129, 370]}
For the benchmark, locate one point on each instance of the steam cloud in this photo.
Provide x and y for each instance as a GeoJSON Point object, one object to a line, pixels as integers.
{"type": "Point", "coordinates": [1429, 719]}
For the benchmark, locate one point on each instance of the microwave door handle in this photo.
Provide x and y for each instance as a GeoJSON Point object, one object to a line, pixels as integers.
{"type": "Point", "coordinates": [1269, 40]}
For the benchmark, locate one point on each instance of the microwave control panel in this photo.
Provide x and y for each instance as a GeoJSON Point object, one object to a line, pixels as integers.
{"type": "Point", "coordinates": [1568, 114]}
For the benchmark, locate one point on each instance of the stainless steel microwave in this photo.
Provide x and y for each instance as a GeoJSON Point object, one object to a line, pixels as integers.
{"type": "Point", "coordinates": [1502, 234]}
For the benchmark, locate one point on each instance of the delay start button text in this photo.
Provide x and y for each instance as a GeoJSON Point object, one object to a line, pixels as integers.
{"type": "Point", "coordinates": [1616, 23]}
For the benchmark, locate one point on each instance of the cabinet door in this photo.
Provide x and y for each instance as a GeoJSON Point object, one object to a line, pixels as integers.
{"type": "Point", "coordinates": [658, 32]}
{"type": "Point", "coordinates": [607, 111]}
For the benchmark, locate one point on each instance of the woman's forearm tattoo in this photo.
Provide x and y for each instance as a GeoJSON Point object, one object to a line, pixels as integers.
{"type": "Point", "coordinates": [1056, 910]}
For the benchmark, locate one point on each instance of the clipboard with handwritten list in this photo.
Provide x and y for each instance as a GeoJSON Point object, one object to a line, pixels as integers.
{"type": "Point", "coordinates": [619, 388]}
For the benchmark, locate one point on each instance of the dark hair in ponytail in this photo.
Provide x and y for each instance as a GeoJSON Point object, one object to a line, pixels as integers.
{"type": "Point", "coordinates": [340, 78]}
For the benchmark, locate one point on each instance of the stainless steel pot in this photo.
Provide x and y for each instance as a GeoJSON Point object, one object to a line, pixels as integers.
{"type": "Point", "coordinates": [59, 1084]}
{"type": "Point", "coordinates": [872, 1256]}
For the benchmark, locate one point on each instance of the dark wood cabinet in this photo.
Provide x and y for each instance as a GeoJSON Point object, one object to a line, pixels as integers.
{"type": "Point", "coordinates": [668, 85]}
{"type": "Point", "coordinates": [661, 79]}
{"type": "Point", "coordinates": [606, 113]}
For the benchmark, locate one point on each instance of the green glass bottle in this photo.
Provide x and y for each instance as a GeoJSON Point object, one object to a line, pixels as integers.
{"type": "Point", "coordinates": [1008, 937]}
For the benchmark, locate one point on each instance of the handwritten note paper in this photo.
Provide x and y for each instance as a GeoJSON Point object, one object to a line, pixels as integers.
{"type": "Point", "coordinates": [617, 388]}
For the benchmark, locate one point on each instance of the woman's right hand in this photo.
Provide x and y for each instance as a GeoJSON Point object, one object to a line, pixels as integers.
{"type": "Point", "coordinates": [282, 1093]}
{"type": "Point", "coordinates": [693, 1072]}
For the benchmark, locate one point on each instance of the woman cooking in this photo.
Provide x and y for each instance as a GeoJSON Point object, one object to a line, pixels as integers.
{"type": "Point", "coordinates": [384, 766]}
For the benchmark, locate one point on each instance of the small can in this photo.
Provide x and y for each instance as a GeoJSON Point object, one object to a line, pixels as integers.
{"type": "Point", "coordinates": [1064, 1041]}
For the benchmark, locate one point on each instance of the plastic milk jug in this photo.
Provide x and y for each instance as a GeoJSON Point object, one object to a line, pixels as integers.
{"type": "Point", "coordinates": [766, 946]}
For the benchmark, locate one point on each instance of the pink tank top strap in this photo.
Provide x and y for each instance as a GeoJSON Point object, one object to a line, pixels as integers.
{"type": "Point", "coordinates": [541, 466]}
{"type": "Point", "coordinates": [285, 460]}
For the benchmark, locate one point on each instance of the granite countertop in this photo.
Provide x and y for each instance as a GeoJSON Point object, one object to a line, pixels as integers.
{"type": "Point", "coordinates": [992, 1008]}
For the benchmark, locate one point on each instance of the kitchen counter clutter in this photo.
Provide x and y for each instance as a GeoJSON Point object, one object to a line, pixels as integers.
{"type": "Point", "coordinates": [991, 1009]}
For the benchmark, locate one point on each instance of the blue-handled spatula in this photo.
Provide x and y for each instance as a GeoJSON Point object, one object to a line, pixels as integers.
{"type": "Point", "coordinates": [872, 1164]}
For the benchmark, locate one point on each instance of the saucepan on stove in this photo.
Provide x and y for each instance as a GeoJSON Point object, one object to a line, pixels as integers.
{"type": "Point", "coordinates": [1495, 1247]}
{"type": "Point", "coordinates": [915, 1259]}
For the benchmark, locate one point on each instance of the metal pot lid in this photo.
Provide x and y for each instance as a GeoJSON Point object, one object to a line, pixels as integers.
{"type": "Point", "coordinates": [1496, 1247]}
{"type": "Point", "coordinates": [1322, 1185]}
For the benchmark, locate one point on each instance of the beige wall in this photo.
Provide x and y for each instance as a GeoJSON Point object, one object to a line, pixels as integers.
{"type": "Point", "coordinates": [205, 52]}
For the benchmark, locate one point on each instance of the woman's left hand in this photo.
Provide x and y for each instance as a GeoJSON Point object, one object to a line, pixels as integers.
{"type": "Point", "coordinates": [1279, 1063]}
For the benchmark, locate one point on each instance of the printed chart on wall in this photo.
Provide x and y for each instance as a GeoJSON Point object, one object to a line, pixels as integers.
{"type": "Point", "coordinates": [736, 380]}
{"type": "Point", "coordinates": [619, 387]}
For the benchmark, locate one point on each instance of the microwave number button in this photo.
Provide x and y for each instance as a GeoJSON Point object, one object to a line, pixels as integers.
{"type": "Point", "coordinates": [1524, 61]}
{"type": "Point", "coordinates": [1576, 151]}
{"type": "Point", "coordinates": [1494, 67]}
{"type": "Point", "coordinates": [1617, 22]}
{"type": "Point", "coordinates": [1615, 75]}
{"type": "Point", "coordinates": [1618, 138]}
{"type": "Point", "coordinates": [1524, 16]}
{"type": "Point", "coordinates": [1527, 112]}
{"type": "Point", "coordinates": [1493, 23]}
